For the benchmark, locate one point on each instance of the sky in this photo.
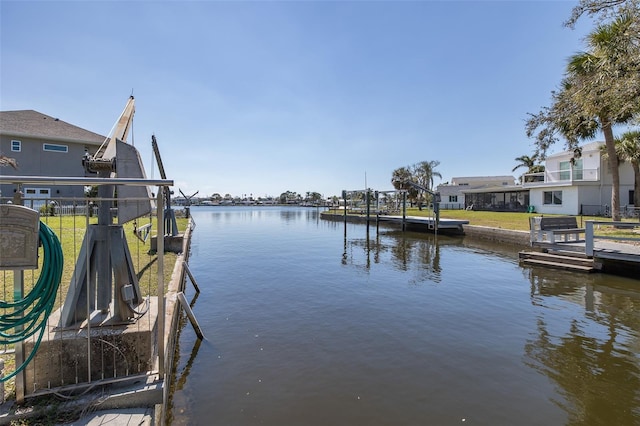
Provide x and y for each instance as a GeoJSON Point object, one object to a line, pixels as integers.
{"type": "Point", "coordinates": [262, 97]}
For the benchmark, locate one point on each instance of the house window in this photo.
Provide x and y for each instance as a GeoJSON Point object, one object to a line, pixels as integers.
{"type": "Point", "coordinates": [577, 169]}
{"type": "Point", "coordinates": [54, 148]}
{"type": "Point", "coordinates": [16, 146]}
{"type": "Point", "coordinates": [453, 198]}
{"type": "Point", "coordinates": [565, 170]}
{"type": "Point", "coordinates": [552, 197]}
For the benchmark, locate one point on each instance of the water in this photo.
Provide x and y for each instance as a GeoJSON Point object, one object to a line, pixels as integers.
{"type": "Point", "coordinates": [309, 324]}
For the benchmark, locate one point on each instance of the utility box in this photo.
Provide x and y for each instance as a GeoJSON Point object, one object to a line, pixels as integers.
{"type": "Point", "coordinates": [19, 232]}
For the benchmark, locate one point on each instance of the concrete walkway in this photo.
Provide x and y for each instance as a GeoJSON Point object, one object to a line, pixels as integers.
{"type": "Point", "coordinates": [128, 417]}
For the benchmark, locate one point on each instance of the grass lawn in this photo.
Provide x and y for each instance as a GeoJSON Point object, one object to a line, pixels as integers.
{"type": "Point", "coordinates": [70, 230]}
{"type": "Point", "coordinates": [520, 221]}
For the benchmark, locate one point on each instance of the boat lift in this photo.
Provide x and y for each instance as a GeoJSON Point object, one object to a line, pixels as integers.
{"type": "Point", "coordinates": [169, 215]}
{"type": "Point", "coordinates": [435, 201]}
{"type": "Point", "coordinates": [104, 272]}
{"type": "Point", "coordinates": [433, 224]}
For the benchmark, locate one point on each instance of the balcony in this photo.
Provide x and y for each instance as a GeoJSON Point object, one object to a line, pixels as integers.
{"type": "Point", "coordinates": [551, 177]}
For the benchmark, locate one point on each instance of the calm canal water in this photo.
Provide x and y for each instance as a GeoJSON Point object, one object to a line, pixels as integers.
{"type": "Point", "coordinates": [309, 324]}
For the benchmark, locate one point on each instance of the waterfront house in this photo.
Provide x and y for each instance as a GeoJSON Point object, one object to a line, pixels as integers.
{"type": "Point", "coordinates": [581, 186]}
{"type": "Point", "coordinates": [42, 145]}
{"type": "Point", "coordinates": [569, 186]}
{"type": "Point", "coordinates": [453, 195]}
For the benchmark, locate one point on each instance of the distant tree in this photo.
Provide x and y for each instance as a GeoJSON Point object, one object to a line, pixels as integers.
{"type": "Point", "coordinates": [313, 197]}
{"type": "Point", "coordinates": [216, 197]}
{"type": "Point", "coordinates": [525, 161]}
{"type": "Point", "coordinates": [289, 197]}
{"type": "Point", "coordinates": [399, 176]}
{"type": "Point", "coordinates": [424, 172]}
{"type": "Point", "coordinates": [530, 163]}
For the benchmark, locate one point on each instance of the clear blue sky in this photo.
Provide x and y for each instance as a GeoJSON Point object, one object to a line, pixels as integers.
{"type": "Point", "coordinates": [260, 97]}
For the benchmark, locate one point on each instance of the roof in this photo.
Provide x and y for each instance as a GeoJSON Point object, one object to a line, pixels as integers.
{"type": "Point", "coordinates": [30, 123]}
{"type": "Point", "coordinates": [488, 189]}
{"type": "Point", "coordinates": [589, 147]}
{"type": "Point", "coordinates": [475, 180]}
{"type": "Point", "coordinates": [483, 178]}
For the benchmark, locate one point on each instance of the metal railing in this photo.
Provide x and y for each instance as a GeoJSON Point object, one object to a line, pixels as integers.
{"type": "Point", "coordinates": [105, 357]}
{"type": "Point", "coordinates": [556, 176]}
{"type": "Point", "coordinates": [620, 236]}
{"type": "Point", "coordinates": [626, 212]}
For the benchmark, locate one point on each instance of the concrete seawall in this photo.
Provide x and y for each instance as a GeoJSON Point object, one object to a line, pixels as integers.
{"type": "Point", "coordinates": [498, 234]}
{"type": "Point", "coordinates": [176, 285]}
{"type": "Point", "coordinates": [473, 231]}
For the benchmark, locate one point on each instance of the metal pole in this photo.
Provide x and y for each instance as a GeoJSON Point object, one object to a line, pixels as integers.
{"type": "Point", "coordinates": [18, 294]}
{"type": "Point", "coordinates": [367, 196]}
{"type": "Point", "coordinates": [344, 197]}
{"type": "Point", "coordinates": [404, 210]}
{"type": "Point", "coordinates": [161, 298]}
{"type": "Point", "coordinates": [377, 212]}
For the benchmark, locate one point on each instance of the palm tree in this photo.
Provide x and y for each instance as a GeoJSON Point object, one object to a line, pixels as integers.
{"type": "Point", "coordinates": [399, 176]}
{"type": "Point", "coordinates": [424, 172]}
{"type": "Point", "coordinates": [525, 161]}
{"type": "Point", "coordinates": [601, 88]}
{"type": "Point", "coordinates": [531, 163]}
{"type": "Point", "coordinates": [628, 148]}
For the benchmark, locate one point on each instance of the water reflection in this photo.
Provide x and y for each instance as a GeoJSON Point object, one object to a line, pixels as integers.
{"type": "Point", "coordinates": [180, 375]}
{"type": "Point", "coordinates": [303, 329]}
{"type": "Point", "coordinates": [233, 213]}
{"type": "Point", "coordinates": [405, 250]}
{"type": "Point", "coordinates": [306, 214]}
{"type": "Point", "coordinates": [594, 359]}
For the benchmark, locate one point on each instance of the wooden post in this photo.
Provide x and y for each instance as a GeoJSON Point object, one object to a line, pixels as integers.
{"type": "Point", "coordinates": [193, 280]}
{"type": "Point", "coordinates": [192, 317]}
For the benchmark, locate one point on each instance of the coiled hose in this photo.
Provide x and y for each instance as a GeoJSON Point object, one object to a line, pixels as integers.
{"type": "Point", "coordinates": [29, 315]}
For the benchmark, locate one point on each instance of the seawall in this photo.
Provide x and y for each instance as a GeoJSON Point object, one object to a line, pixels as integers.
{"type": "Point", "coordinates": [497, 234]}
{"type": "Point", "coordinates": [473, 231]}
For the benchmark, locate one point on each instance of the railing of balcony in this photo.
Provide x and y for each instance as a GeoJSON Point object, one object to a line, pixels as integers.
{"type": "Point", "coordinates": [562, 176]}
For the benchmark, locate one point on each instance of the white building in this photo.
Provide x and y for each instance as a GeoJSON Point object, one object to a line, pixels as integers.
{"type": "Point", "coordinates": [452, 195]}
{"type": "Point", "coordinates": [583, 187]}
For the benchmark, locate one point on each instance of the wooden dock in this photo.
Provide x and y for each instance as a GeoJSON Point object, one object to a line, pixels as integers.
{"type": "Point", "coordinates": [445, 225]}
{"type": "Point", "coordinates": [572, 261]}
{"type": "Point", "coordinates": [608, 256]}
{"type": "Point", "coordinates": [451, 226]}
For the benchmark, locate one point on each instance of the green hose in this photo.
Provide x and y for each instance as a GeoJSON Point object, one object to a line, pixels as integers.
{"type": "Point", "coordinates": [29, 315]}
